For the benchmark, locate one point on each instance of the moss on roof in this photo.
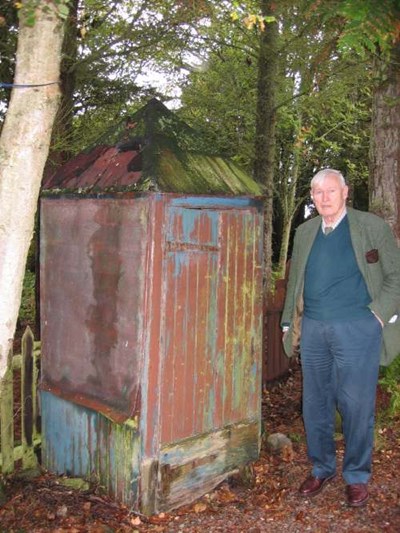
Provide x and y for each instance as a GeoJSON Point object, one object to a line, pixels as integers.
{"type": "Point", "coordinates": [172, 159]}
{"type": "Point", "coordinates": [202, 174]}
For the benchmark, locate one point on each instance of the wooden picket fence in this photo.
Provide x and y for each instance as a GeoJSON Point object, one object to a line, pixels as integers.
{"type": "Point", "coordinates": [19, 416]}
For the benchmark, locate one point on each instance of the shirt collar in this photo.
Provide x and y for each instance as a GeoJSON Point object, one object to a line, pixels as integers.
{"type": "Point", "coordinates": [337, 222]}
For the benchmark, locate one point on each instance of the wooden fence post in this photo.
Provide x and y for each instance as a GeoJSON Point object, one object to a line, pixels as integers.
{"type": "Point", "coordinates": [28, 399]}
{"type": "Point", "coordinates": [35, 396]}
{"type": "Point", "coordinates": [7, 418]}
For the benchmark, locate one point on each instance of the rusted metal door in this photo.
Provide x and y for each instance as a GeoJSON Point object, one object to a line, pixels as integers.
{"type": "Point", "coordinates": [209, 321]}
{"type": "Point", "coordinates": [211, 344]}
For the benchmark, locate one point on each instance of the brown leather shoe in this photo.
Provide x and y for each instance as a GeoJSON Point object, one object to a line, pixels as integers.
{"type": "Point", "coordinates": [357, 494]}
{"type": "Point", "coordinates": [313, 485]}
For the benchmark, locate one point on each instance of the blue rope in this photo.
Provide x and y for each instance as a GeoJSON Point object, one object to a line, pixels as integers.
{"type": "Point", "coordinates": [18, 86]}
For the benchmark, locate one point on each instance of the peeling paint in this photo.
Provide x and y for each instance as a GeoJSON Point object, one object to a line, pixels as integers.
{"type": "Point", "coordinates": [152, 342]}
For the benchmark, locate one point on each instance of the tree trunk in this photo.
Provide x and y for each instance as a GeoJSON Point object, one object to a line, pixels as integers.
{"type": "Point", "coordinates": [284, 248]}
{"type": "Point", "coordinates": [60, 151]}
{"type": "Point", "coordinates": [384, 191]}
{"type": "Point", "coordinates": [24, 146]}
{"type": "Point", "coordinates": [265, 141]}
{"type": "Point", "coordinates": [287, 199]}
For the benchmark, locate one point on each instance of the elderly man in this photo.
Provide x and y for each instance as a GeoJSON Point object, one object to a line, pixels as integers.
{"type": "Point", "coordinates": [343, 296]}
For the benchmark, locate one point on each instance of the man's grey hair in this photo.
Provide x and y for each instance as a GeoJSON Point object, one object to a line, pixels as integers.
{"type": "Point", "coordinates": [322, 174]}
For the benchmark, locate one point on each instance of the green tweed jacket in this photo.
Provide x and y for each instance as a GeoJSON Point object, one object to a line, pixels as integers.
{"type": "Point", "coordinates": [378, 258]}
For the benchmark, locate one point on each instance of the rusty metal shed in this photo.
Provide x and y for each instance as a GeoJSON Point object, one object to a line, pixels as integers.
{"type": "Point", "coordinates": [151, 311]}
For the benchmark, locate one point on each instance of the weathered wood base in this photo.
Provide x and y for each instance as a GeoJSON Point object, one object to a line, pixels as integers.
{"type": "Point", "coordinates": [192, 467]}
{"type": "Point", "coordinates": [83, 443]}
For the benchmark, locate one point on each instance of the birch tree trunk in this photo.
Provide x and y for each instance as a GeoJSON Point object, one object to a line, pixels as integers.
{"type": "Point", "coordinates": [24, 146]}
{"type": "Point", "coordinates": [385, 143]}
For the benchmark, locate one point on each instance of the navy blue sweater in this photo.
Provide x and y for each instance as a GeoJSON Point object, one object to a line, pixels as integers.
{"type": "Point", "coordinates": [334, 288]}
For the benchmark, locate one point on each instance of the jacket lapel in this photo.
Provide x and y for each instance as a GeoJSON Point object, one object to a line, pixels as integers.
{"type": "Point", "coordinates": [307, 241]}
{"type": "Point", "coordinates": [357, 238]}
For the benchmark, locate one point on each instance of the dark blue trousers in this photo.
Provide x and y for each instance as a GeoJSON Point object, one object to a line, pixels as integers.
{"type": "Point", "coordinates": [340, 365]}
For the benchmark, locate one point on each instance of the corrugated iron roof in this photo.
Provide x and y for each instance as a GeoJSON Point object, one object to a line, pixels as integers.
{"type": "Point", "coordinates": [152, 150]}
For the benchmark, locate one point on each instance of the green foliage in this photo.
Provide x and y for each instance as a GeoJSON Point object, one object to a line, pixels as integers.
{"type": "Point", "coordinates": [8, 46]}
{"type": "Point", "coordinates": [27, 9]}
{"type": "Point", "coordinates": [219, 101]}
{"type": "Point", "coordinates": [62, 8]}
{"type": "Point", "coordinates": [296, 437]}
{"type": "Point", "coordinates": [111, 46]}
{"type": "Point", "coordinates": [390, 381]}
{"type": "Point", "coordinates": [27, 309]}
{"type": "Point", "coordinates": [370, 25]}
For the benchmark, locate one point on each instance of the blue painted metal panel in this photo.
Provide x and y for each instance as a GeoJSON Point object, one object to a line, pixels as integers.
{"type": "Point", "coordinates": [187, 226]}
{"type": "Point", "coordinates": [218, 202]}
{"type": "Point", "coordinates": [81, 442]}
{"type": "Point", "coordinates": [68, 440]}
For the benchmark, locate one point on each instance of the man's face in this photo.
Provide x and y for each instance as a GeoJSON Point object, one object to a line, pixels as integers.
{"type": "Point", "coordinates": [329, 197]}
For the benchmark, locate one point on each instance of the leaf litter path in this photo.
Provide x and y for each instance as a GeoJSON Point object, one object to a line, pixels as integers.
{"type": "Point", "coordinates": [271, 504]}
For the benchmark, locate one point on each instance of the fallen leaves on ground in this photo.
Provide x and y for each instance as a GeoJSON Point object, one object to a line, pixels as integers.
{"type": "Point", "coordinates": [44, 504]}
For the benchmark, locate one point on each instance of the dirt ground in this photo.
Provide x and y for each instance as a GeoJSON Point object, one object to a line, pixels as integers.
{"type": "Point", "coordinates": [271, 504]}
